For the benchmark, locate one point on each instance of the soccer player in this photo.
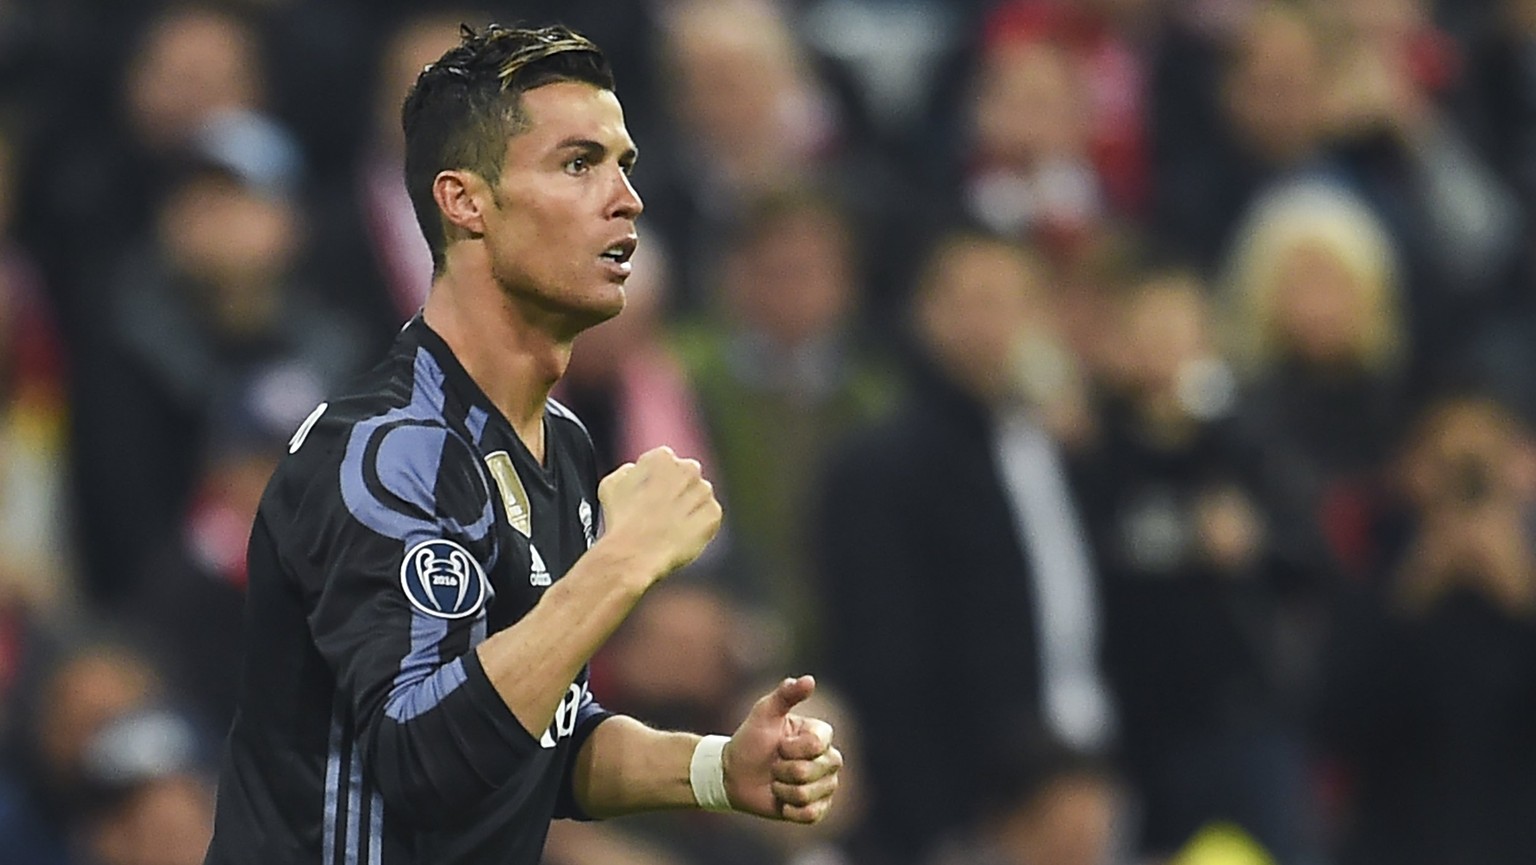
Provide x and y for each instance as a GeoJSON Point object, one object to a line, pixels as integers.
{"type": "Point", "coordinates": [427, 579]}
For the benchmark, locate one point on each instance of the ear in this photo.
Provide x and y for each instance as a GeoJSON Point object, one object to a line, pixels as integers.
{"type": "Point", "coordinates": [461, 198]}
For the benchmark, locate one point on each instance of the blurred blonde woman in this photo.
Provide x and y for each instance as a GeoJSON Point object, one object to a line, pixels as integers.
{"type": "Point", "coordinates": [1317, 336]}
{"type": "Point", "coordinates": [1313, 280]}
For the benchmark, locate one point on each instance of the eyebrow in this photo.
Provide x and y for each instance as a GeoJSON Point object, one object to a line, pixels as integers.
{"type": "Point", "coordinates": [598, 149]}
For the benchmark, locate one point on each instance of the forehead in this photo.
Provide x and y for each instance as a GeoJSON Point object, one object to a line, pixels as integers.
{"type": "Point", "coordinates": [570, 110]}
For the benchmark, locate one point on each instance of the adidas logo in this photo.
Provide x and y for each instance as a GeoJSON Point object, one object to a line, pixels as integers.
{"type": "Point", "coordinates": [538, 575]}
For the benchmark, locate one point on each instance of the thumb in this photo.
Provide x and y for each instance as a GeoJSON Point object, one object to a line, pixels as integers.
{"type": "Point", "coordinates": [790, 693]}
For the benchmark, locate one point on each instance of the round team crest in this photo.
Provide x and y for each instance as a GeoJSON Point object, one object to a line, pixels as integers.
{"type": "Point", "coordinates": [442, 579]}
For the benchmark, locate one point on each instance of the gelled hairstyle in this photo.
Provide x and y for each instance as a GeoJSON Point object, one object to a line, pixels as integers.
{"type": "Point", "coordinates": [463, 108]}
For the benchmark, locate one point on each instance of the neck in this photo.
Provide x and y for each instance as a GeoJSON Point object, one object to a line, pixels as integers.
{"type": "Point", "coordinates": [514, 360]}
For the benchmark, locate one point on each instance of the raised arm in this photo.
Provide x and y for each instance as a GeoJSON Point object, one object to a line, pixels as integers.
{"type": "Point", "coordinates": [660, 514]}
{"type": "Point", "coordinates": [441, 732]}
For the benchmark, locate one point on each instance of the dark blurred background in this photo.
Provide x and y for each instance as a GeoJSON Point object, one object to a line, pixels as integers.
{"type": "Point", "coordinates": [1123, 406]}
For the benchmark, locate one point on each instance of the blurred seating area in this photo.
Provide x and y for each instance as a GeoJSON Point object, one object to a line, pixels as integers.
{"type": "Point", "coordinates": [1124, 407]}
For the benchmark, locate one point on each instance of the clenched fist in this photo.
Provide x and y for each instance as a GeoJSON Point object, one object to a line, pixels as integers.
{"type": "Point", "coordinates": [660, 510]}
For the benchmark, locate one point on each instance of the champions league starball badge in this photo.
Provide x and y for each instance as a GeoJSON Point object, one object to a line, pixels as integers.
{"type": "Point", "coordinates": [442, 579]}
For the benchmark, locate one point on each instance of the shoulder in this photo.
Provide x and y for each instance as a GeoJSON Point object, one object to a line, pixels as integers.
{"type": "Point", "coordinates": [385, 448]}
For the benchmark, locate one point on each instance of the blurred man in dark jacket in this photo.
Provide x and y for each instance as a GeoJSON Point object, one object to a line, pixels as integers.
{"type": "Point", "coordinates": [953, 564]}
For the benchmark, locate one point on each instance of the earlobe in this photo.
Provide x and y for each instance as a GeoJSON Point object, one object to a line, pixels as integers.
{"type": "Point", "coordinates": [455, 192]}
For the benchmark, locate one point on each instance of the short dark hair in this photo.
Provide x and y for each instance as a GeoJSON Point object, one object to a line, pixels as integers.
{"type": "Point", "coordinates": [463, 108]}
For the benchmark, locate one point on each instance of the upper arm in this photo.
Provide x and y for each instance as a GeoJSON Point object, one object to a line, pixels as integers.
{"type": "Point", "coordinates": [391, 545]}
{"type": "Point", "coordinates": [392, 552]}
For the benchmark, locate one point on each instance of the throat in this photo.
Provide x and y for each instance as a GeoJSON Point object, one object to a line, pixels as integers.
{"type": "Point", "coordinates": [532, 435]}
{"type": "Point", "coordinates": [514, 361]}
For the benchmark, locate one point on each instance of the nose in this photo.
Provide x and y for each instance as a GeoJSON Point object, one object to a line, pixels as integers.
{"type": "Point", "coordinates": [626, 201]}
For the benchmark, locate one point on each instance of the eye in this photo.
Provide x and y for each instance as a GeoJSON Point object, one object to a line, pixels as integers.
{"type": "Point", "coordinates": [578, 165]}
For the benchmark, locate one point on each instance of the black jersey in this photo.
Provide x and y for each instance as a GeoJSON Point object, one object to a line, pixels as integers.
{"type": "Point", "coordinates": [407, 523]}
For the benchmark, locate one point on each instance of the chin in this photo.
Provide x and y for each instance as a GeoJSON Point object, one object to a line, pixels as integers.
{"type": "Point", "coordinates": [573, 310]}
{"type": "Point", "coordinates": [598, 306]}
{"type": "Point", "coordinates": [610, 300]}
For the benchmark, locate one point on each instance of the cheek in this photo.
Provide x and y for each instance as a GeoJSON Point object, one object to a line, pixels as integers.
{"type": "Point", "coordinates": [541, 251]}
{"type": "Point", "coordinates": [522, 251]}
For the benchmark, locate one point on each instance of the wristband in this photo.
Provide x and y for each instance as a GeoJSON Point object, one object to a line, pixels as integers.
{"type": "Point", "coordinates": [706, 773]}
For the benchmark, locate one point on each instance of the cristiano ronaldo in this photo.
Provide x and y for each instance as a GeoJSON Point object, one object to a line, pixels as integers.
{"type": "Point", "coordinates": [427, 575]}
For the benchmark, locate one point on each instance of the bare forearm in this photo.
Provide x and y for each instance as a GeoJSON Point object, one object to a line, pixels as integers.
{"type": "Point", "coordinates": [776, 765]}
{"type": "Point", "coordinates": [625, 767]}
{"type": "Point", "coordinates": [533, 662]}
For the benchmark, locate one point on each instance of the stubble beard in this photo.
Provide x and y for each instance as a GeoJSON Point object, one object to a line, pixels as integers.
{"type": "Point", "coordinates": [559, 312]}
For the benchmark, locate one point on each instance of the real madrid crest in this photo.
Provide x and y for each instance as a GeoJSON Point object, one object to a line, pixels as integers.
{"type": "Point", "coordinates": [514, 497]}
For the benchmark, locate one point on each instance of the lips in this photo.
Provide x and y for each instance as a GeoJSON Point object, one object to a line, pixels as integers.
{"type": "Point", "coordinates": [620, 251]}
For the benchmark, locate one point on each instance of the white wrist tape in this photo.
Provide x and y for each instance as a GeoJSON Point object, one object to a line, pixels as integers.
{"type": "Point", "coordinates": [706, 773]}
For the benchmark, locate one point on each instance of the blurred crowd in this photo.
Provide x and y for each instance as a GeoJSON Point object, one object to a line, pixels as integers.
{"type": "Point", "coordinates": [1124, 407]}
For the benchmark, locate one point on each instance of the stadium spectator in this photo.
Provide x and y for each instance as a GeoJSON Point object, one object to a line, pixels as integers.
{"type": "Point", "coordinates": [1267, 126]}
{"type": "Point", "coordinates": [188, 65]}
{"type": "Point", "coordinates": [1430, 708]}
{"type": "Point", "coordinates": [214, 316]}
{"type": "Point", "coordinates": [750, 116]}
{"type": "Point", "coordinates": [150, 793]}
{"type": "Point", "coordinates": [1028, 171]}
{"type": "Point", "coordinates": [73, 697]}
{"type": "Point", "coordinates": [1318, 341]}
{"type": "Point", "coordinates": [1499, 107]}
{"type": "Point", "coordinates": [1106, 42]}
{"type": "Point", "coordinates": [951, 560]}
{"type": "Point", "coordinates": [1044, 804]}
{"type": "Point", "coordinates": [781, 373]}
{"type": "Point", "coordinates": [1197, 560]}
{"type": "Point", "coordinates": [1456, 227]}
{"type": "Point", "coordinates": [194, 77]}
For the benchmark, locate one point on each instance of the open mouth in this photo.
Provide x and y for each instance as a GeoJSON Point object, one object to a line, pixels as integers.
{"type": "Point", "coordinates": [621, 251]}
